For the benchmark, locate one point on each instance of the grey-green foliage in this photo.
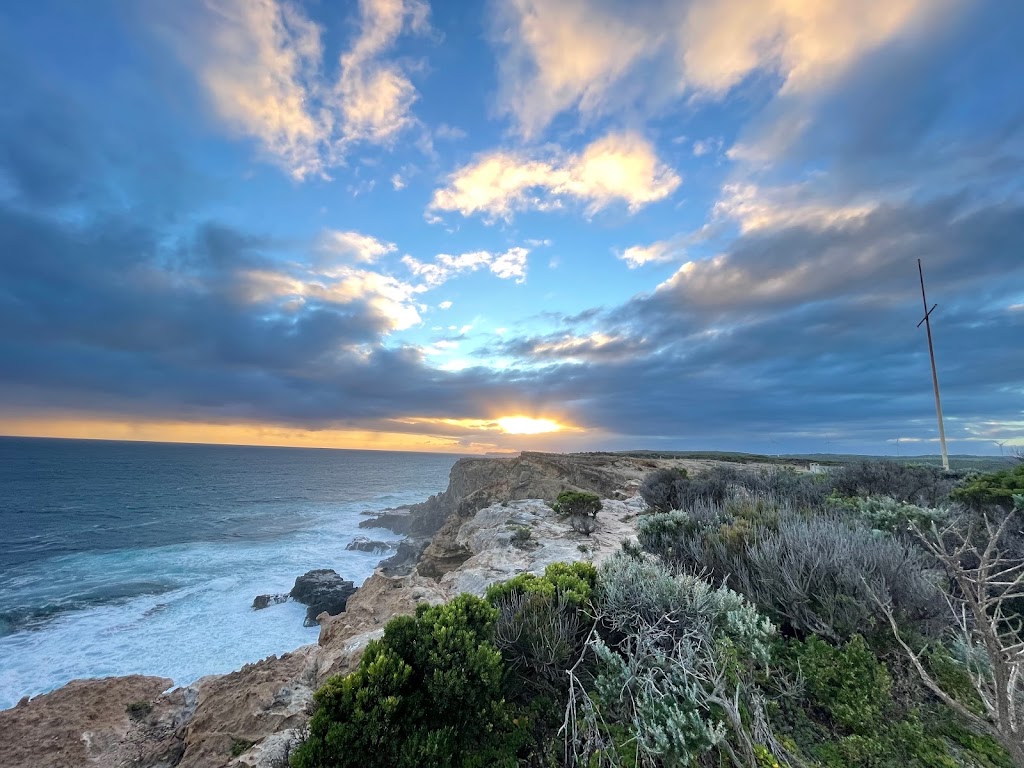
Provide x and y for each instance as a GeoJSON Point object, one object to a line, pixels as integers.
{"type": "Point", "coordinates": [674, 667]}
{"type": "Point", "coordinates": [814, 574]}
{"type": "Point", "coordinates": [884, 513]}
{"type": "Point", "coordinates": [643, 591]}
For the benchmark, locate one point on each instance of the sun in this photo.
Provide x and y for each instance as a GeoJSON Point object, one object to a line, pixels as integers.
{"type": "Point", "coordinates": [524, 425]}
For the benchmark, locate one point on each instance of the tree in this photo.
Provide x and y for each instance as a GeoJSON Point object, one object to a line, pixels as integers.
{"type": "Point", "coordinates": [986, 578]}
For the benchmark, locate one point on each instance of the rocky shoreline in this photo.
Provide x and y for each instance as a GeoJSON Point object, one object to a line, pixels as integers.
{"type": "Point", "coordinates": [493, 521]}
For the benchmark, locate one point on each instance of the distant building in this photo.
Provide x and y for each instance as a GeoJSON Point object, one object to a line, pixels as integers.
{"type": "Point", "coordinates": [817, 469]}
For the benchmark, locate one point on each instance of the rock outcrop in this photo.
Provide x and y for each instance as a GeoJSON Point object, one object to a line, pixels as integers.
{"type": "Point", "coordinates": [263, 601]}
{"type": "Point", "coordinates": [363, 544]}
{"type": "Point", "coordinates": [113, 721]}
{"type": "Point", "coordinates": [323, 591]}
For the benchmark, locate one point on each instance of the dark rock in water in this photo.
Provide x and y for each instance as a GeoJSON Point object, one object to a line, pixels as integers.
{"type": "Point", "coordinates": [322, 590]}
{"type": "Point", "coordinates": [405, 557]}
{"type": "Point", "coordinates": [363, 544]}
{"type": "Point", "coordinates": [262, 601]}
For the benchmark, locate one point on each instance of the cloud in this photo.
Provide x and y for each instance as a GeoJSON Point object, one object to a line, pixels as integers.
{"type": "Point", "coordinates": [595, 347]}
{"type": "Point", "coordinates": [445, 305]}
{"type": "Point", "coordinates": [354, 245]}
{"type": "Point", "coordinates": [556, 56]}
{"type": "Point", "coordinates": [598, 56]}
{"type": "Point", "coordinates": [511, 265]}
{"type": "Point", "coordinates": [755, 208]}
{"type": "Point", "coordinates": [655, 253]}
{"type": "Point", "coordinates": [261, 65]}
{"type": "Point", "coordinates": [376, 97]}
{"type": "Point", "coordinates": [449, 132]}
{"type": "Point", "coordinates": [397, 182]}
{"type": "Point", "coordinates": [507, 265]}
{"type": "Point", "coordinates": [803, 330]}
{"type": "Point", "coordinates": [706, 147]}
{"type": "Point", "coordinates": [620, 167]}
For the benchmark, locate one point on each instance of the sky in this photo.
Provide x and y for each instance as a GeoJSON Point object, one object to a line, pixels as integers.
{"type": "Point", "coordinates": [515, 224]}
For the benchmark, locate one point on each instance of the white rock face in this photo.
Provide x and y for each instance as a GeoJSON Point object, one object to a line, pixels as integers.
{"type": "Point", "coordinates": [488, 534]}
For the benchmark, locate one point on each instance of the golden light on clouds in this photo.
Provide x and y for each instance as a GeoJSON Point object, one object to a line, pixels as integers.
{"type": "Point", "coordinates": [525, 425]}
{"type": "Point", "coordinates": [509, 425]}
{"type": "Point", "coordinates": [411, 434]}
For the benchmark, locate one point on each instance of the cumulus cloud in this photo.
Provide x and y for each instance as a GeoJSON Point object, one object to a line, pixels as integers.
{"type": "Point", "coordinates": [656, 253]}
{"type": "Point", "coordinates": [354, 246]}
{"type": "Point", "coordinates": [261, 64]}
{"type": "Point", "coordinates": [619, 167]}
{"type": "Point", "coordinates": [510, 264]}
{"type": "Point", "coordinates": [595, 56]}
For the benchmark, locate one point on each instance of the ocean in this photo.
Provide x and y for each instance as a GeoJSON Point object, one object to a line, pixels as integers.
{"type": "Point", "coordinates": [120, 558]}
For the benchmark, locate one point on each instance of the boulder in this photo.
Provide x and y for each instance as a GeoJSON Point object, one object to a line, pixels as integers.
{"type": "Point", "coordinates": [363, 544]}
{"type": "Point", "coordinates": [262, 601]}
{"type": "Point", "coordinates": [323, 591]}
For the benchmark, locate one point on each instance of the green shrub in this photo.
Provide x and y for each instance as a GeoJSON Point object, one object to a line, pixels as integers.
{"type": "Point", "coordinates": [995, 488]}
{"type": "Point", "coordinates": [429, 692]}
{"type": "Point", "coordinates": [573, 582]}
{"type": "Point", "coordinates": [521, 534]}
{"type": "Point", "coordinates": [849, 683]}
{"type": "Point", "coordinates": [577, 503]}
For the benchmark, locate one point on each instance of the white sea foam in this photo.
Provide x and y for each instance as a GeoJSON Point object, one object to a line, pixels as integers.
{"type": "Point", "coordinates": [203, 623]}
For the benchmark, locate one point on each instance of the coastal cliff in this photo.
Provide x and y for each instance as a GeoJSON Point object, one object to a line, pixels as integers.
{"type": "Point", "coordinates": [493, 521]}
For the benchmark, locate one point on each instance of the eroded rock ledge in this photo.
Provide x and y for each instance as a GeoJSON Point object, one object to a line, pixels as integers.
{"type": "Point", "coordinates": [460, 540]}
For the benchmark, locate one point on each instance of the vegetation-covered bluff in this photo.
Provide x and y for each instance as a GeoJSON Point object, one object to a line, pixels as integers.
{"type": "Point", "coordinates": [605, 610]}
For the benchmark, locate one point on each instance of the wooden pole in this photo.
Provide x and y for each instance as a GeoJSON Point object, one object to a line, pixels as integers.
{"type": "Point", "coordinates": [935, 376]}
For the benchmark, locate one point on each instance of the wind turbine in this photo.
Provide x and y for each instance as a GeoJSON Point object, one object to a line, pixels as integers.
{"type": "Point", "coordinates": [1000, 443]}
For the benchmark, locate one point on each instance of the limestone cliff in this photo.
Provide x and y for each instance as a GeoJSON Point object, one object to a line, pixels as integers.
{"type": "Point", "coordinates": [466, 538]}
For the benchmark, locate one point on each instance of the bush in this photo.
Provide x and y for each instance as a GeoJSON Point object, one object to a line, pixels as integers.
{"type": "Point", "coordinates": [993, 489]}
{"type": "Point", "coordinates": [541, 623]}
{"type": "Point", "coordinates": [667, 489]}
{"type": "Point", "coordinates": [659, 491]}
{"type": "Point", "coordinates": [915, 483]}
{"type": "Point", "coordinates": [577, 503]}
{"type": "Point", "coordinates": [669, 678]}
{"type": "Point", "coordinates": [642, 592]}
{"type": "Point", "coordinates": [429, 692]}
{"type": "Point", "coordinates": [572, 581]}
{"type": "Point", "coordinates": [812, 575]}
{"type": "Point", "coordinates": [883, 513]}
{"type": "Point", "coordinates": [521, 534]}
{"type": "Point", "coordinates": [849, 683]}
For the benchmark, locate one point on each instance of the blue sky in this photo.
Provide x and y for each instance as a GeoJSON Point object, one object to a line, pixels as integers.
{"type": "Point", "coordinates": [391, 223]}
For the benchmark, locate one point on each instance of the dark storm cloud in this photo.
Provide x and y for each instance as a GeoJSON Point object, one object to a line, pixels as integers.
{"type": "Point", "coordinates": [809, 328]}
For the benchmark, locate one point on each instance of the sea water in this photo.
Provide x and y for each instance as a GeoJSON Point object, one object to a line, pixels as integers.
{"type": "Point", "coordinates": [119, 558]}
